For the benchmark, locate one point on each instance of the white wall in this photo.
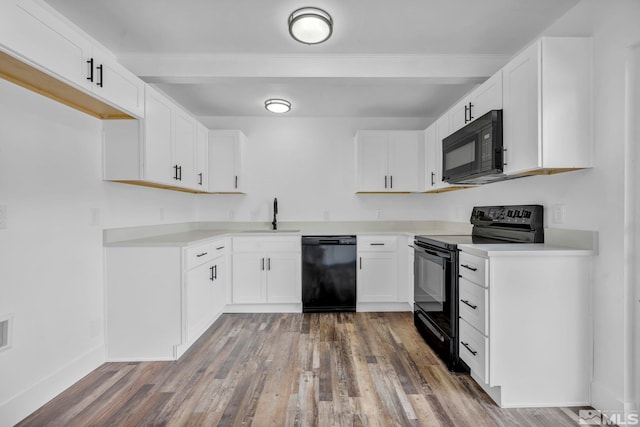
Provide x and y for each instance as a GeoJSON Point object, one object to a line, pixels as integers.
{"type": "Point", "coordinates": [308, 164]}
{"type": "Point", "coordinates": [51, 261]}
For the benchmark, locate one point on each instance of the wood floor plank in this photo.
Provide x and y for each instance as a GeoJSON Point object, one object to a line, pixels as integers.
{"type": "Point", "coordinates": [275, 369]}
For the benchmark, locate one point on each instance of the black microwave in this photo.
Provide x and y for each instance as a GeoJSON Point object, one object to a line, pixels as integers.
{"type": "Point", "coordinates": [474, 154]}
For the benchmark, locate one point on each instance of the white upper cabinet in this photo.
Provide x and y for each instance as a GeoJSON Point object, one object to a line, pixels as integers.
{"type": "Point", "coordinates": [486, 97]}
{"type": "Point", "coordinates": [184, 148]}
{"type": "Point", "coordinates": [157, 151]}
{"type": "Point", "coordinates": [389, 161]}
{"type": "Point", "coordinates": [157, 136]}
{"type": "Point", "coordinates": [114, 83]}
{"type": "Point", "coordinates": [547, 107]}
{"type": "Point", "coordinates": [226, 161]}
{"type": "Point", "coordinates": [49, 44]}
{"type": "Point", "coordinates": [202, 157]}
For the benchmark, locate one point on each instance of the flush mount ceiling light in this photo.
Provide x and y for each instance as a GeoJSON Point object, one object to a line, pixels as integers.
{"type": "Point", "coordinates": [310, 25]}
{"type": "Point", "coordinates": [277, 105]}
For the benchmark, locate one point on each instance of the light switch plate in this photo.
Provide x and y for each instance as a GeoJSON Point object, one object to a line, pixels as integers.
{"type": "Point", "coordinates": [559, 212]}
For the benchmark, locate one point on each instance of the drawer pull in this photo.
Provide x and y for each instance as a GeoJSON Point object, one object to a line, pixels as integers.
{"type": "Point", "coordinates": [202, 254]}
{"type": "Point", "coordinates": [468, 268]}
{"type": "Point", "coordinates": [468, 303]}
{"type": "Point", "coordinates": [376, 244]}
{"type": "Point", "coordinates": [468, 348]}
{"type": "Point", "coordinates": [219, 248]}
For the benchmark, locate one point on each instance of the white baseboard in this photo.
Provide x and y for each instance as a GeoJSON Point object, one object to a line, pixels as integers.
{"type": "Point", "coordinates": [264, 308]}
{"type": "Point", "coordinates": [21, 405]}
{"type": "Point", "coordinates": [604, 399]}
{"type": "Point", "coordinates": [383, 306]}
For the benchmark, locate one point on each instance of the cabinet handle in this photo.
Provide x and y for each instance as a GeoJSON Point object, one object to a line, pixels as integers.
{"type": "Point", "coordinates": [236, 184]}
{"type": "Point", "coordinates": [219, 248]}
{"type": "Point", "coordinates": [360, 263]}
{"type": "Point", "coordinates": [470, 111]}
{"type": "Point", "coordinates": [202, 254]}
{"type": "Point", "coordinates": [433, 174]}
{"type": "Point", "coordinates": [268, 264]}
{"type": "Point", "coordinates": [200, 178]}
{"type": "Point", "coordinates": [175, 172]}
{"type": "Point", "coordinates": [473, 352]}
{"type": "Point", "coordinates": [262, 264]}
{"type": "Point", "coordinates": [468, 268]}
{"type": "Point", "coordinates": [391, 181]}
{"type": "Point", "coordinates": [211, 276]}
{"type": "Point", "coordinates": [90, 62]}
{"type": "Point", "coordinates": [376, 244]}
{"type": "Point", "coordinates": [100, 76]}
{"type": "Point", "coordinates": [385, 181]}
{"type": "Point", "coordinates": [466, 114]}
{"type": "Point", "coordinates": [504, 163]}
{"type": "Point", "coordinates": [179, 173]}
{"type": "Point", "coordinates": [469, 304]}
{"type": "Point", "coordinates": [215, 272]}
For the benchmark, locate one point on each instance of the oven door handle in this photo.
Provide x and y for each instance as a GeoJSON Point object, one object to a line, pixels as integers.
{"type": "Point", "coordinates": [437, 254]}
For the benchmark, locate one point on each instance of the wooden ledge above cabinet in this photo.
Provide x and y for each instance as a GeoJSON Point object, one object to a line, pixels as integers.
{"type": "Point", "coordinates": [34, 79]}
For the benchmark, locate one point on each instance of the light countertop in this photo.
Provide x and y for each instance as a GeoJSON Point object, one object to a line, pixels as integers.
{"type": "Point", "coordinates": [522, 249]}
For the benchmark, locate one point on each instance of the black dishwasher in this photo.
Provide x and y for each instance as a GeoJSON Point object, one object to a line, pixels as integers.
{"type": "Point", "coordinates": [328, 273]}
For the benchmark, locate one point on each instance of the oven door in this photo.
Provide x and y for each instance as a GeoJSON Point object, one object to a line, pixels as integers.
{"type": "Point", "coordinates": [433, 295]}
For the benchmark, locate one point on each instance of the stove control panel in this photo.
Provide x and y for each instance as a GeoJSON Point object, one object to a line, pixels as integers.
{"type": "Point", "coordinates": [505, 216]}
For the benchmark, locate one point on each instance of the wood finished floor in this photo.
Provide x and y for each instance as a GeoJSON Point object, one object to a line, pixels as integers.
{"type": "Point", "coordinates": [340, 369]}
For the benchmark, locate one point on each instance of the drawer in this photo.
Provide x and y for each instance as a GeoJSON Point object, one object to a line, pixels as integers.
{"type": "Point", "coordinates": [474, 269]}
{"type": "Point", "coordinates": [377, 243]}
{"type": "Point", "coordinates": [196, 255]}
{"type": "Point", "coordinates": [474, 350]}
{"type": "Point", "coordinates": [473, 305]}
{"type": "Point", "coordinates": [267, 244]}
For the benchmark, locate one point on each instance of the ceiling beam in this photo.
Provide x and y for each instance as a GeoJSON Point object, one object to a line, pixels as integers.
{"type": "Point", "coordinates": [202, 68]}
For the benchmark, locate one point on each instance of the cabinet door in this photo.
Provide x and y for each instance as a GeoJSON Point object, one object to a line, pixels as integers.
{"type": "Point", "coordinates": [284, 278]}
{"type": "Point", "coordinates": [372, 165]}
{"type": "Point", "coordinates": [157, 139]}
{"type": "Point", "coordinates": [249, 281]}
{"type": "Point", "coordinates": [199, 300]}
{"type": "Point", "coordinates": [458, 115]}
{"type": "Point", "coordinates": [219, 285]}
{"type": "Point", "coordinates": [431, 176]}
{"type": "Point", "coordinates": [521, 119]}
{"type": "Point", "coordinates": [377, 277]}
{"type": "Point", "coordinates": [45, 40]}
{"type": "Point", "coordinates": [225, 157]}
{"type": "Point", "coordinates": [405, 161]}
{"type": "Point", "coordinates": [202, 160]}
{"type": "Point", "coordinates": [487, 97]}
{"type": "Point", "coordinates": [116, 84]}
{"type": "Point", "coordinates": [184, 148]}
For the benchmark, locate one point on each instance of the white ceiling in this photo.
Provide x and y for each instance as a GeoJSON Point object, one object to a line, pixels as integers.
{"type": "Point", "coordinates": [401, 58]}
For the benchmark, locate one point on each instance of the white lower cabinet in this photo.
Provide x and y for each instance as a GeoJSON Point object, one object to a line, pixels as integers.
{"type": "Point", "coordinates": [267, 270]}
{"type": "Point", "coordinates": [160, 299]}
{"type": "Point", "coordinates": [377, 276]}
{"type": "Point", "coordinates": [524, 324]}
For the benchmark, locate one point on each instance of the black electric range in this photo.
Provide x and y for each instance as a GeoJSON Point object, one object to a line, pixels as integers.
{"type": "Point", "coordinates": [436, 270]}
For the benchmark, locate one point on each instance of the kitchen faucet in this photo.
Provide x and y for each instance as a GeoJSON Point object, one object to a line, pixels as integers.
{"type": "Point", "coordinates": [274, 223]}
